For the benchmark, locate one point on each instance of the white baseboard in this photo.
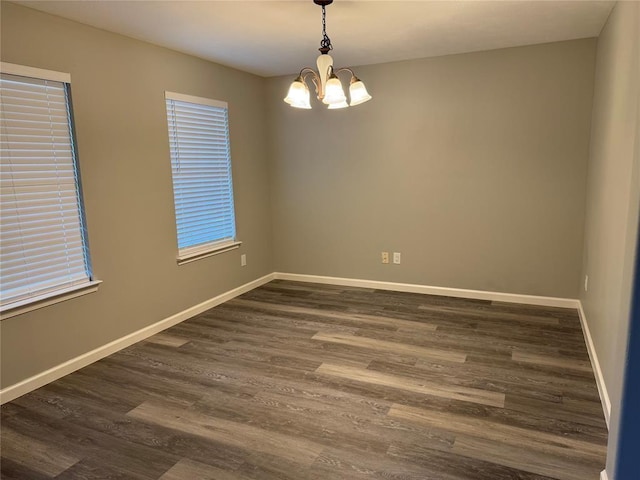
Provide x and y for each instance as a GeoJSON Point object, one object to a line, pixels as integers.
{"type": "Point", "coordinates": [14, 391]}
{"type": "Point", "coordinates": [603, 475]}
{"type": "Point", "coordinates": [429, 290]}
{"type": "Point", "coordinates": [602, 387]}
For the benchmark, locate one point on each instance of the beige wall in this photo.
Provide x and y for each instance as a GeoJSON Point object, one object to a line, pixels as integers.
{"type": "Point", "coordinates": [118, 89]}
{"type": "Point", "coordinates": [472, 166]}
{"type": "Point", "coordinates": [613, 199]}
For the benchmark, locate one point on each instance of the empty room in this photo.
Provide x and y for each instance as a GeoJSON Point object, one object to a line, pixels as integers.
{"type": "Point", "coordinates": [320, 239]}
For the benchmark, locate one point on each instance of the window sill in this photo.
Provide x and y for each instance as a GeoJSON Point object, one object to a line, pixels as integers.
{"type": "Point", "coordinates": [205, 252]}
{"type": "Point", "coordinates": [23, 306]}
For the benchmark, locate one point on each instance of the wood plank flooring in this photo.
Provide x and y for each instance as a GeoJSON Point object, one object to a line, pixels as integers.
{"type": "Point", "coordinates": [305, 381]}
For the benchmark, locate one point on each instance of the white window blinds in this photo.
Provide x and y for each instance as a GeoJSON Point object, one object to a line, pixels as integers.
{"type": "Point", "coordinates": [201, 168]}
{"type": "Point", "coordinates": [43, 246]}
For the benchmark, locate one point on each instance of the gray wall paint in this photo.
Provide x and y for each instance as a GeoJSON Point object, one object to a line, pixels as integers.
{"type": "Point", "coordinates": [472, 166]}
{"type": "Point", "coordinates": [613, 200]}
{"type": "Point", "coordinates": [118, 89]}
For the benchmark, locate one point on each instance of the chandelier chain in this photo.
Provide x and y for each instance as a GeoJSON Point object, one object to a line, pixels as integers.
{"type": "Point", "coordinates": [325, 43]}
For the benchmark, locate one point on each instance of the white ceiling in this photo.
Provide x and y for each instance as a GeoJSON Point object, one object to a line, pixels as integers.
{"type": "Point", "coordinates": [279, 37]}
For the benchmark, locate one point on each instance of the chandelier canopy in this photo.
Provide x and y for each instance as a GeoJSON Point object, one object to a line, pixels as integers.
{"type": "Point", "coordinates": [326, 82]}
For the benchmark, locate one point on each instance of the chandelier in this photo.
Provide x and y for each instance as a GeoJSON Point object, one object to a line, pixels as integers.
{"type": "Point", "coordinates": [327, 84]}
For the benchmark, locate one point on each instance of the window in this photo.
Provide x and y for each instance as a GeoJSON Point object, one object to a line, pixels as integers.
{"type": "Point", "coordinates": [44, 248]}
{"type": "Point", "coordinates": [201, 169]}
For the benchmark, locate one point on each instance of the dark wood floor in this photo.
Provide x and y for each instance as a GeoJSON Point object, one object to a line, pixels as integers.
{"type": "Point", "coordinates": [304, 381]}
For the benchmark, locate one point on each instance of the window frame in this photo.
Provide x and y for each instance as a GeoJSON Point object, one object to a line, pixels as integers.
{"type": "Point", "coordinates": [198, 251]}
{"type": "Point", "coordinates": [63, 292]}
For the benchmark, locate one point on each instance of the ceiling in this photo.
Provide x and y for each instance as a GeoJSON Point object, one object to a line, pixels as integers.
{"type": "Point", "coordinates": [271, 38]}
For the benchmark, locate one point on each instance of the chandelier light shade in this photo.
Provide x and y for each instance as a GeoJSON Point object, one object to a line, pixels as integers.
{"type": "Point", "coordinates": [298, 95]}
{"type": "Point", "coordinates": [334, 92]}
{"type": "Point", "coordinates": [328, 87]}
{"type": "Point", "coordinates": [358, 92]}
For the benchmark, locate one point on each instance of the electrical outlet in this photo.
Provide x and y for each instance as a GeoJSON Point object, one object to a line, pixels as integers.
{"type": "Point", "coordinates": [586, 283]}
{"type": "Point", "coordinates": [243, 260]}
{"type": "Point", "coordinates": [385, 257]}
{"type": "Point", "coordinates": [396, 258]}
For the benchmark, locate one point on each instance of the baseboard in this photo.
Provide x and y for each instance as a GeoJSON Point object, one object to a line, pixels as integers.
{"type": "Point", "coordinates": [429, 290]}
{"type": "Point", "coordinates": [603, 475]}
{"type": "Point", "coordinates": [14, 391]}
{"type": "Point", "coordinates": [595, 363]}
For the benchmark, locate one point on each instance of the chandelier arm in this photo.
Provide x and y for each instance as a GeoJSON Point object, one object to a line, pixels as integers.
{"type": "Point", "coordinates": [315, 79]}
{"type": "Point", "coordinates": [306, 70]}
{"type": "Point", "coordinates": [345, 69]}
{"type": "Point", "coordinates": [318, 84]}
